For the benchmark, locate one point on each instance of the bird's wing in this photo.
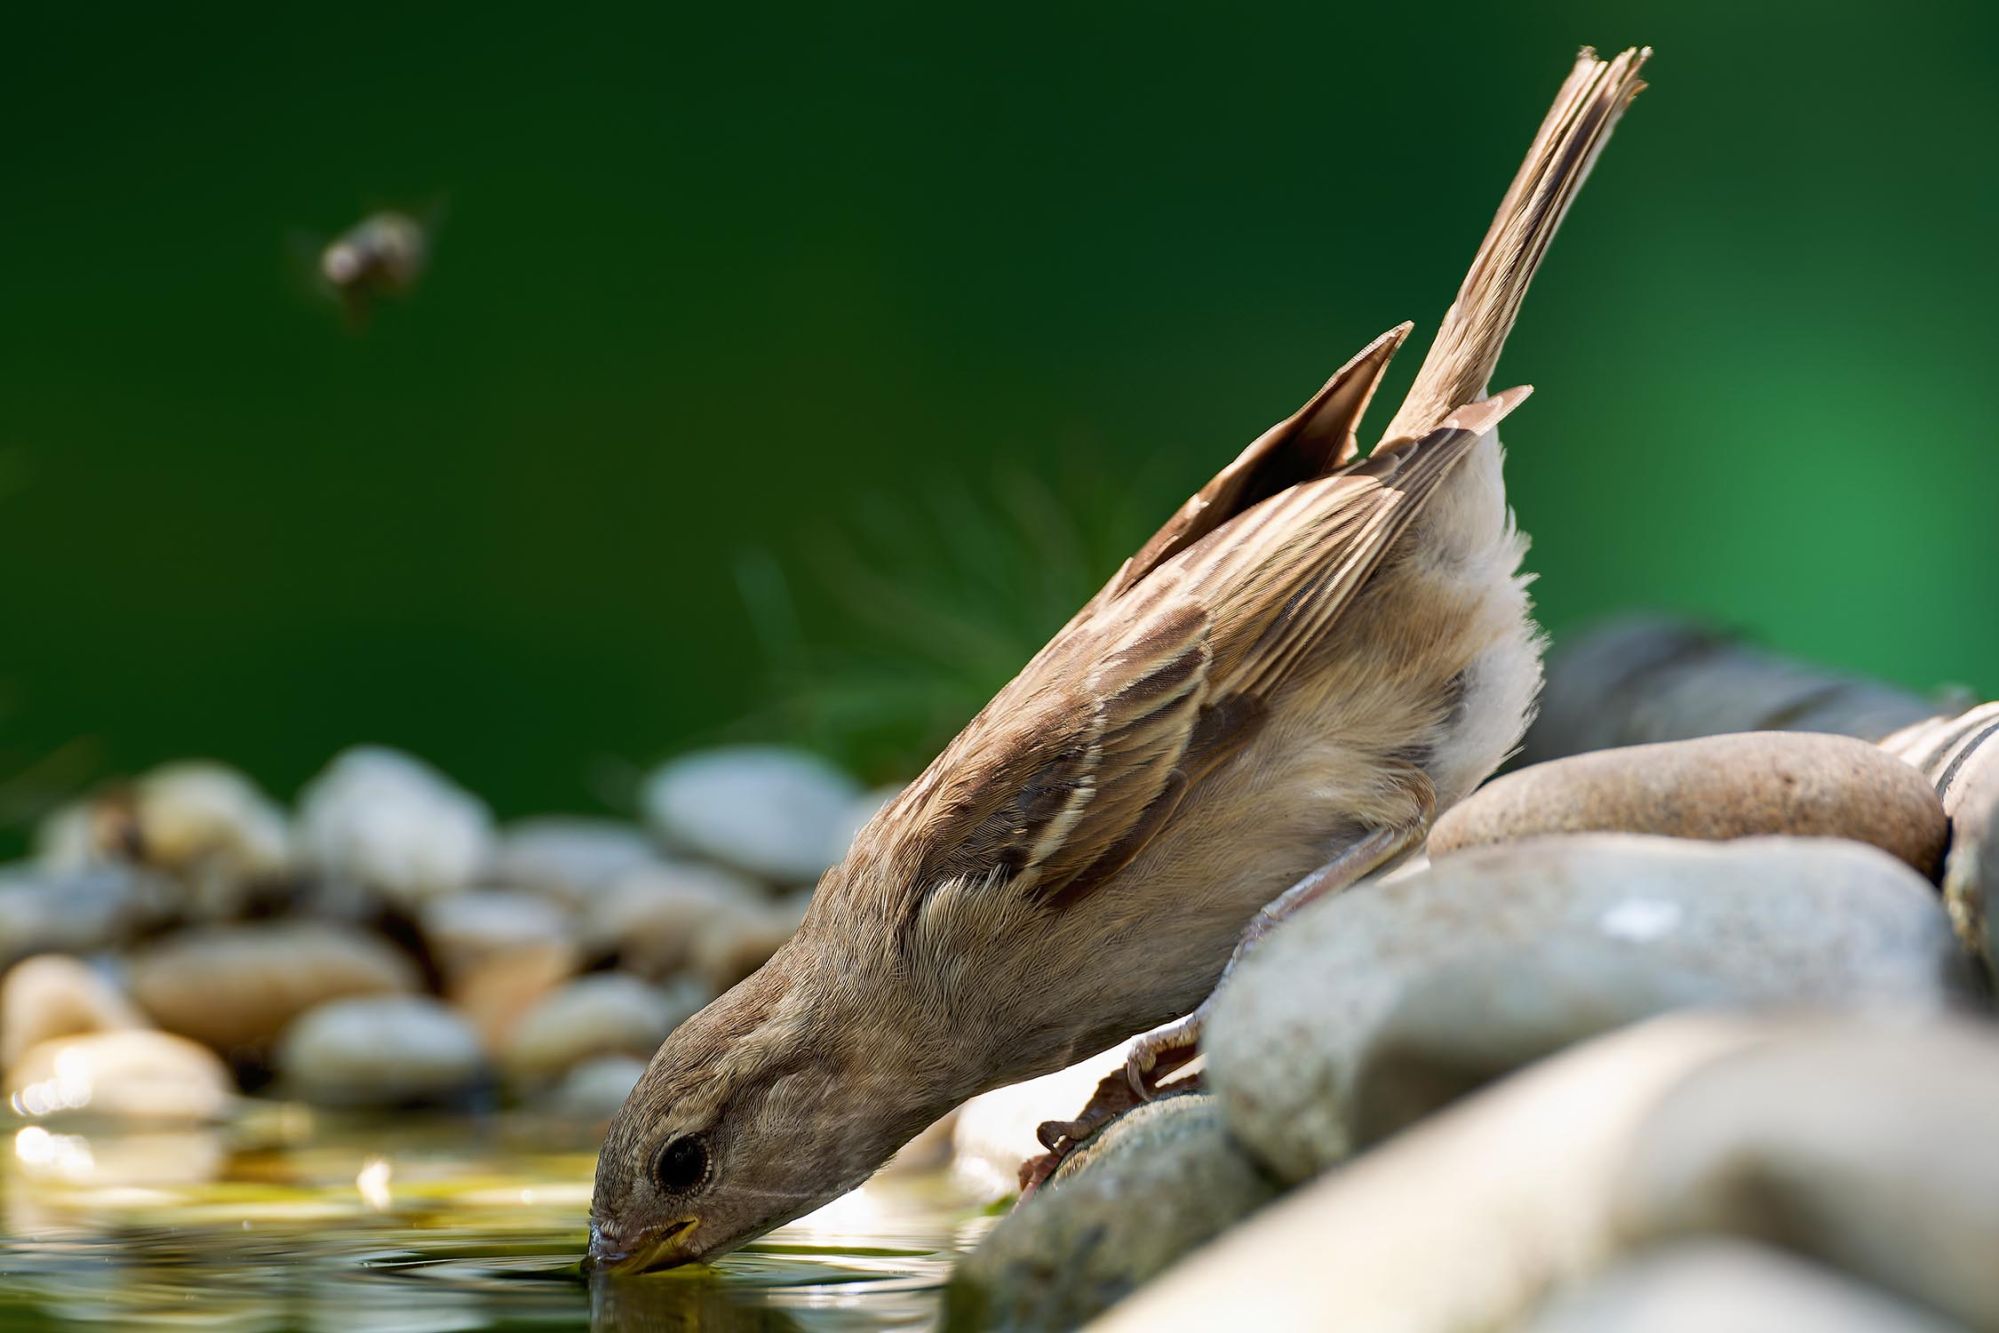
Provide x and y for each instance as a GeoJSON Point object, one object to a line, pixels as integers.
{"type": "Point", "coordinates": [1072, 769]}
{"type": "Point", "coordinates": [1313, 441]}
{"type": "Point", "coordinates": [1061, 780]}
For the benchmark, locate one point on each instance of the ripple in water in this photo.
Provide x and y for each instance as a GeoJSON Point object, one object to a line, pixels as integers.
{"type": "Point", "coordinates": [294, 1221]}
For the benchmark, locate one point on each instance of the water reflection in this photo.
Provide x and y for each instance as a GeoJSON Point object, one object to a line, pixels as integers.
{"type": "Point", "coordinates": [289, 1220]}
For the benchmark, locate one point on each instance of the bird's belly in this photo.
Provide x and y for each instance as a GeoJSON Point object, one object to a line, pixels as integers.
{"type": "Point", "coordinates": [1400, 718]}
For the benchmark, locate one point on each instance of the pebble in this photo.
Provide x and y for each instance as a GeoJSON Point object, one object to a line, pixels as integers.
{"type": "Point", "coordinates": [1371, 1009]}
{"type": "Point", "coordinates": [139, 1075]}
{"type": "Point", "coordinates": [467, 930]}
{"type": "Point", "coordinates": [1714, 788]}
{"type": "Point", "coordinates": [1871, 1148]}
{"type": "Point", "coordinates": [729, 946]}
{"type": "Point", "coordinates": [779, 814]}
{"type": "Point", "coordinates": [203, 823]}
{"type": "Point", "coordinates": [1464, 1220]}
{"type": "Point", "coordinates": [52, 995]}
{"type": "Point", "coordinates": [240, 986]}
{"type": "Point", "coordinates": [1651, 678]}
{"type": "Point", "coordinates": [386, 820]}
{"type": "Point", "coordinates": [596, 1088]}
{"type": "Point", "coordinates": [496, 992]}
{"type": "Point", "coordinates": [1971, 873]}
{"type": "Point", "coordinates": [1725, 1286]}
{"type": "Point", "coordinates": [379, 1050]}
{"type": "Point", "coordinates": [81, 911]}
{"type": "Point", "coordinates": [859, 811]}
{"type": "Point", "coordinates": [605, 1013]}
{"type": "Point", "coordinates": [648, 919]}
{"type": "Point", "coordinates": [569, 859]}
{"type": "Point", "coordinates": [1868, 1145]}
{"type": "Point", "coordinates": [1960, 757]}
{"type": "Point", "coordinates": [1936, 747]}
{"type": "Point", "coordinates": [1148, 1188]}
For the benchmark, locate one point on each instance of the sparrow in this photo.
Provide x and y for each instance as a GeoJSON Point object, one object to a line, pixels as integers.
{"type": "Point", "coordinates": [1274, 697]}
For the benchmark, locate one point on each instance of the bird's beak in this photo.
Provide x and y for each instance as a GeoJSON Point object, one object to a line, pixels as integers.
{"type": "Point", "coordinates": [666, 1248]}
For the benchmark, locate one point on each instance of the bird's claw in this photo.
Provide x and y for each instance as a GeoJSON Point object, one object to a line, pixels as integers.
{"type": "Point", "coordinates": [1137, 1081]}
{"type": "Point", "coordinates": [1157, 1054]}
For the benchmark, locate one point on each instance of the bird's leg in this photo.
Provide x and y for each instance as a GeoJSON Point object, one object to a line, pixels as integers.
{"type": "Point", "coordinates": [1158, 1054]}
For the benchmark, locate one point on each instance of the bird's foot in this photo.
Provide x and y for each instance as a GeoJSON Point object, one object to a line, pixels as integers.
{"type": "Point", "coordinates": [1163, 1052]}
{"type": "Point", "coordinates": [1150, 1061]}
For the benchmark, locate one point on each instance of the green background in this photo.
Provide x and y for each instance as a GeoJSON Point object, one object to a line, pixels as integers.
{"type": "Point", "coordinates": [719, 288]}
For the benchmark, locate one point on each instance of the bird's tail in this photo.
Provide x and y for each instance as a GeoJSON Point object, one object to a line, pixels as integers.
{"type": "Point", "coordinates": [1460, 361]}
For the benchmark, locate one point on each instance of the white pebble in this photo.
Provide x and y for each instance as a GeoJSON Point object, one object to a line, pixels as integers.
{"type": "Point", "coordinates": [384, 819]}
{"type": "Point", "coordinates": [780, 814]}
{"type": "Point", "coordinates": [379, 1050]}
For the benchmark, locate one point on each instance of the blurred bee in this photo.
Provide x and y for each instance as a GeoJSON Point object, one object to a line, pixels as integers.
{"type": "Point", "coordinates": [383, 255]}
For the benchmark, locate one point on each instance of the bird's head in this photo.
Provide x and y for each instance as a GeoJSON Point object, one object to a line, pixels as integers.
{"type": "Point", "coordinates": [780, 1096]}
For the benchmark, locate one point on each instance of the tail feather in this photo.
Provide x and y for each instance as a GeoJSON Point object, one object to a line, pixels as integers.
{"type": "Point", "coordinates": [1460, 362]}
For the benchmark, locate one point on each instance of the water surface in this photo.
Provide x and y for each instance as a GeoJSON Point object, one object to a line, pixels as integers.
{"type": "Point", "coordinates": [291, 1219]}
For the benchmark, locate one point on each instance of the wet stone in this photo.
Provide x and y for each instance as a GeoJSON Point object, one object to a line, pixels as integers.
{"type": "Point", "coordinates": [466, 930]}
{"type": "Point", "coordinates": [1148, 1188]}
{"type": "Point", "coordinates": [1465, 1220]}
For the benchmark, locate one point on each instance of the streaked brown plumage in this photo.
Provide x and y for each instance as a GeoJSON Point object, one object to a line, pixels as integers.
{"type": "Point", "coordinates": [1309, 660]}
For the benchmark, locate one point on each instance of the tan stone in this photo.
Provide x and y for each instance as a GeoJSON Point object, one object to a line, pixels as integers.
{"type": "Point", "coordinates": [648, 919]}
{"type": "Point", "coordinates": [496, 992]}
{"type": "Point", "coordinates": [1717, 787]}
{"type": "Point", "coordinates": [56, 996]}
{"type": "Point", "coordinates": [135, 1075]}
{"type": "Point", "coordinates": [240, 986]}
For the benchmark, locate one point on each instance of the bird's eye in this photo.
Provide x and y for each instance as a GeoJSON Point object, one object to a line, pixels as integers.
{"type": "Point", "coordinates": [682, 1165]}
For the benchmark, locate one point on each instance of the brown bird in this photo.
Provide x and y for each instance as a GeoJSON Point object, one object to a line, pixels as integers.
{"type": "Point", "coordinates": [1313, 657]}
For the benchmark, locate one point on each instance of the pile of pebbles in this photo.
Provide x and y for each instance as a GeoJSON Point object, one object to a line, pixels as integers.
{"type": "Point", "coordinates": [181, 940]}
{"type": "Point", "coordinates": [1685, 1022]}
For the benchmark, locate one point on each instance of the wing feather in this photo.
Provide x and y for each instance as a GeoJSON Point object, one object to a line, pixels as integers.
{"type": "Point", "coordinates": [1071, 770]}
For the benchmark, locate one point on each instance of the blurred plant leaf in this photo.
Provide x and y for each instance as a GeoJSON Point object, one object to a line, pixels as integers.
{"type": "Point", "coordinates": [890, 627]}
{"type": "Point", "coordinates": [33, 782]}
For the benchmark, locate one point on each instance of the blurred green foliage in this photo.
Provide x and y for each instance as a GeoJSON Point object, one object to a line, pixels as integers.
{"type": "Point", "coordinates": [714, 276]}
